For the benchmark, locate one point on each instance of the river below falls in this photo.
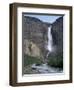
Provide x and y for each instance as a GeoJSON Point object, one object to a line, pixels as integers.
{"type": "Point", "coordinates": [41, 69]}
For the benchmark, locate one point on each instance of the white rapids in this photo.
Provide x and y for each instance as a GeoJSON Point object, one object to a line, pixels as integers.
{"type": "Point", "coordinates": [44, 68]}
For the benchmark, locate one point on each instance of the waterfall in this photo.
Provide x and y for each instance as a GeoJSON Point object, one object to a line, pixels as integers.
{"type": "Point", "coordinates": [50, 41]}
{"type": "Point", "coordinates": [49, 46]}
{"type": "Point", "coordinates": [45, 68]}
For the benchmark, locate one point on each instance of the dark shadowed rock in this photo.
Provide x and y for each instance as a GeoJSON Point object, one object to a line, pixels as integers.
{"type": "Point", "coordinates": [57, 34]}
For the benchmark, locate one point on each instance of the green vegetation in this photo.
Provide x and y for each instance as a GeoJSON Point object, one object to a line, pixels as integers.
{"type": "Point", "coordinates": [56, 61]}
{"type": "Point", "coordinates": [28, 60]}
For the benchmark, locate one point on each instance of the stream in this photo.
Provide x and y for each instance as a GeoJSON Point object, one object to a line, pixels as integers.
{"type": "Point", "coordinates": [44, 68]}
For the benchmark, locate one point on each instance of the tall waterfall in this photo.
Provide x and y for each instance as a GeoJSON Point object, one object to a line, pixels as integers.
{"type": "Point", "coordinates": [45, 68]}
{"type": "Point", "coordinates": [50, 41]}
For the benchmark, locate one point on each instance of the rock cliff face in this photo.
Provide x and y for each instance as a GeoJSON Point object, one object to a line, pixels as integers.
{"type": "Point", "coordinates": [57, 33]}
{"type": "Point", "coordinates": [35, 32]}
{"type": "Point", "coordinates": [35, 35]}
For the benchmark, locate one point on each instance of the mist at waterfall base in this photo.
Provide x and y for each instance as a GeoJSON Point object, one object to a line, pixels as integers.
{"type": "Point", "coordinates": [45, 68]}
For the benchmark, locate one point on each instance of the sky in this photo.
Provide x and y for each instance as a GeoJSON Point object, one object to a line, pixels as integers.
{"type": "Point", "coordinates": [45, 18]}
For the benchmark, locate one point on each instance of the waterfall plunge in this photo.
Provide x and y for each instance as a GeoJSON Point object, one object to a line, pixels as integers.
{"type": "Point", "coordinates": [50, 41]}
{"type": "Point", "coordinates": [44, 68]}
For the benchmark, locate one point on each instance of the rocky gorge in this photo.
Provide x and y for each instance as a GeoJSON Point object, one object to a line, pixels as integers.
{"type": "Point", "coordinates": [36, 41]}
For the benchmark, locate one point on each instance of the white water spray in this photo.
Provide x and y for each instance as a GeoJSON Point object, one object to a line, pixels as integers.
{"type": "Point", "coordinates": [50, 41]}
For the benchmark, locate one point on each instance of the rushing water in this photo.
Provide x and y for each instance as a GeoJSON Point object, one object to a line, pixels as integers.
{"type": "Point", "coordinates": [44, 68]}
{"type": "Point", "coordinates": [49, 46]}
{"type": "Point", "coordinates": [50, 41]}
